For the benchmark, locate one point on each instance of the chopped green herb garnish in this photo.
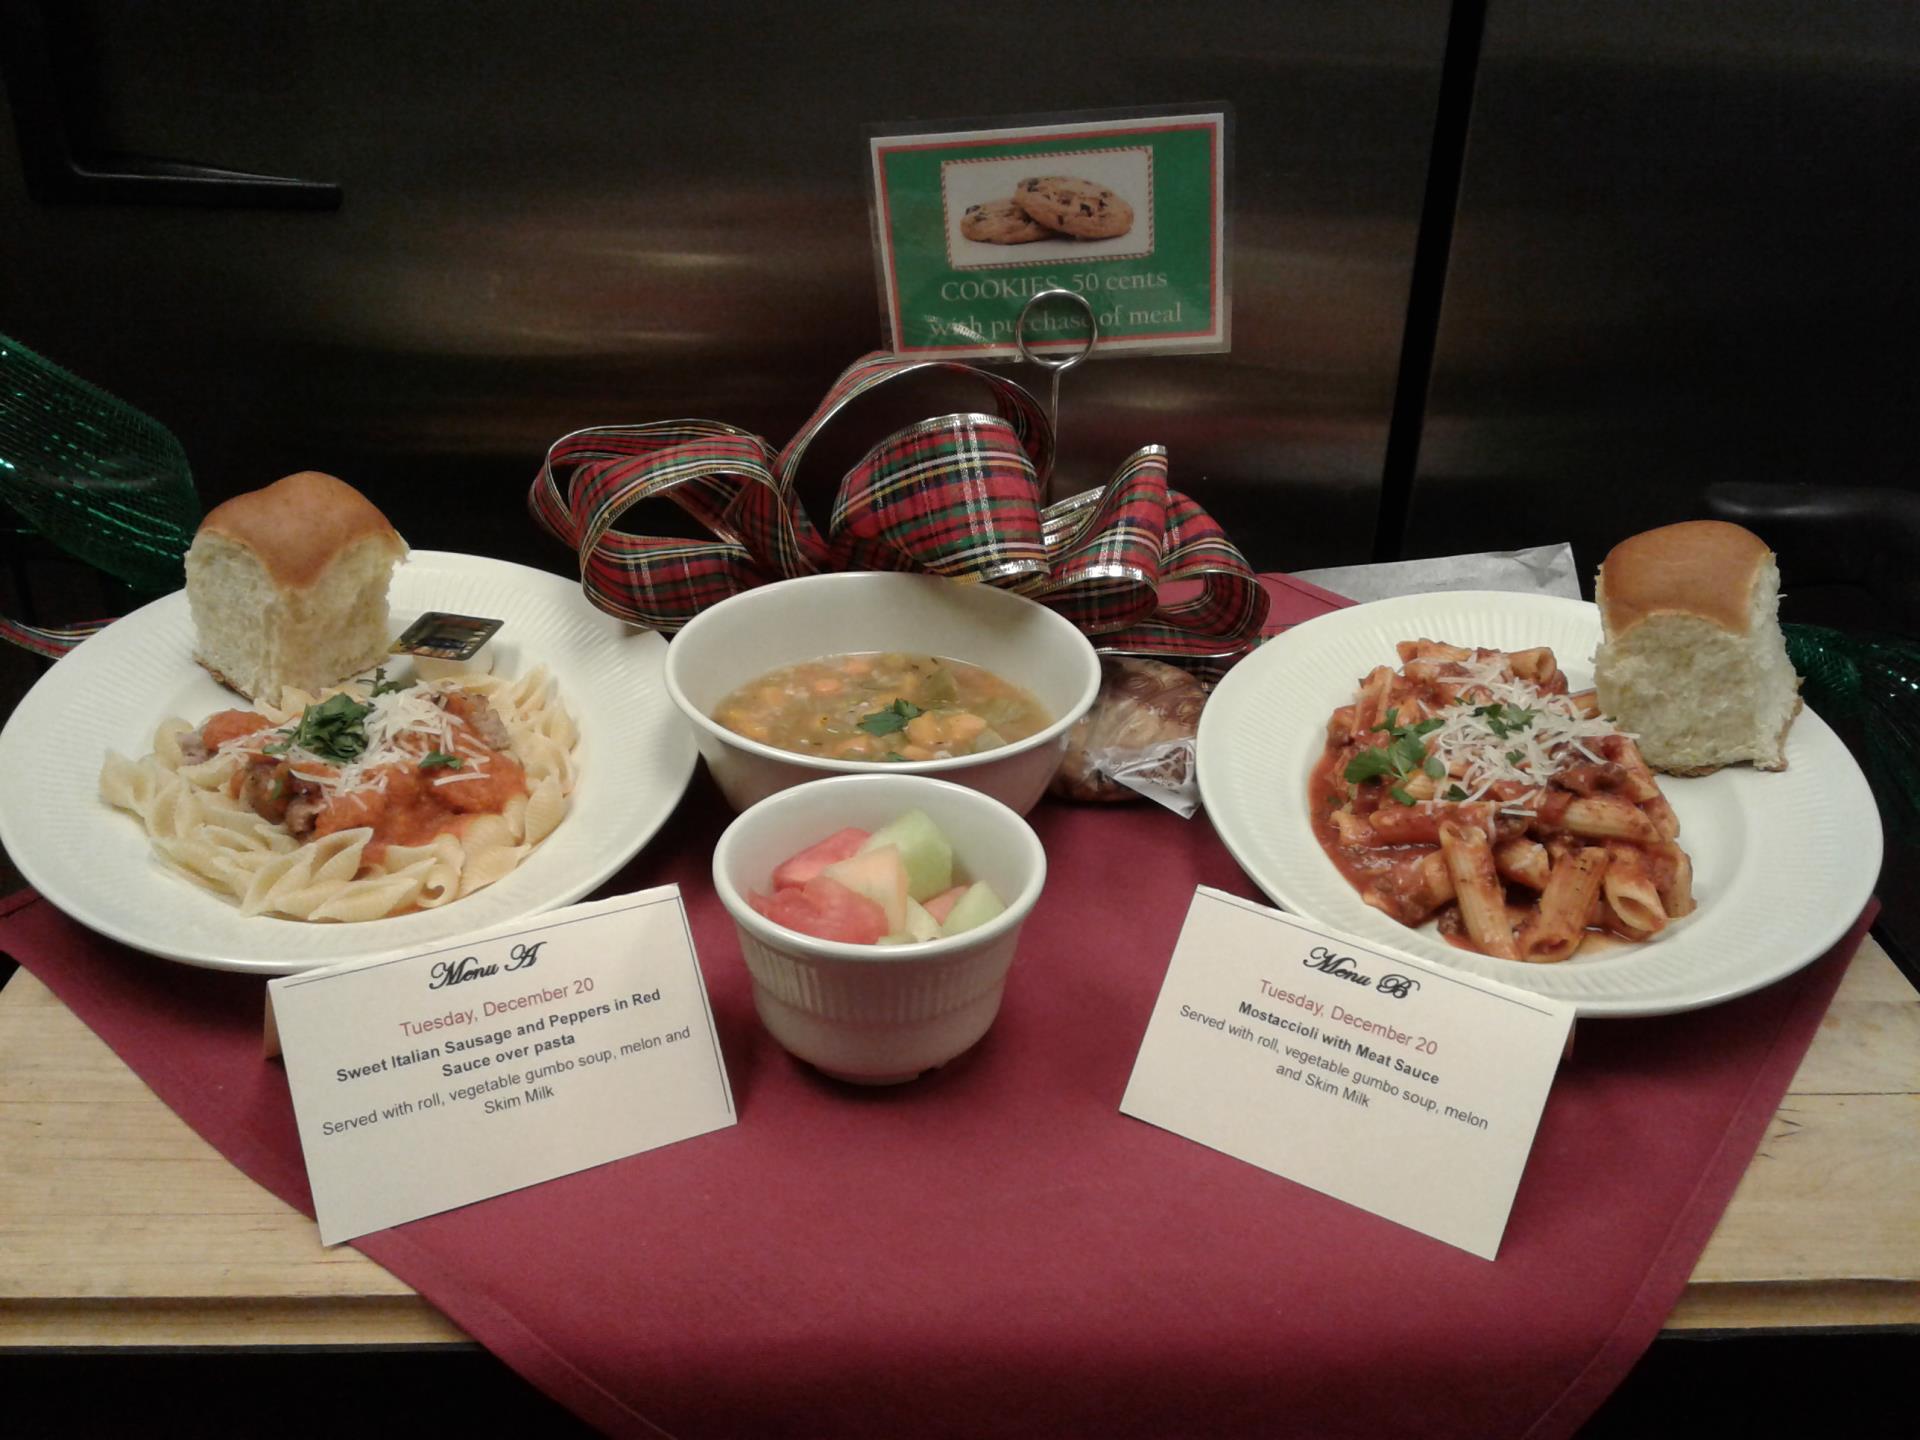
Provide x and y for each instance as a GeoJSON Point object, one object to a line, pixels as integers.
{"type": "Point", "coordinates": [1401, 756]}
{"type": "Point", "coordinates": [1434, 768]}
{"type": "Point", "coordinates": [1514, 757]}
{"type": "Point", "coordinates": [1503, 720]}
{"type": "Point", "coordinates": [441, 760]}
{"type": "Point", "coordinates": [334, 729]}
{"type": "Point", "coordinates": [1454, 792]}
{"type": "Point", "coordinates": [384, 686]}
{"type": "Point", "coordinates": [892, 719]}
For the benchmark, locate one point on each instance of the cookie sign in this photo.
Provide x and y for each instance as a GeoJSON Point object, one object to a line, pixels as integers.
{"type": "Point", "coordinates": [1128, 212]}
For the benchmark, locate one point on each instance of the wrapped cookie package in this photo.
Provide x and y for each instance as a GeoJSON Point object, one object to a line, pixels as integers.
{"type": "Point", "coordinates": [1138, 740]}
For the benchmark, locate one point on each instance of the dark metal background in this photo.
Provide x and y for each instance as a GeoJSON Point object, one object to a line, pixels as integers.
{"type": "Point", "coordinates": [565, 214]}
{"type": "Point", "coordinates": [1685, 252]}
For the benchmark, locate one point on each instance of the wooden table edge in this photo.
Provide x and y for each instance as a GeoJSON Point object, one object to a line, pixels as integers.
{"type": "Point", "coordinates": [403, 1320]}
{"type": "Point", "coordinates": [399, 1322]}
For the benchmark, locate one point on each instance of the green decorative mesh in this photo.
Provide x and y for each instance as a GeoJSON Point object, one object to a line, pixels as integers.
{"type": "Point", "coordinates": [1870, 686]}
{"type": "Point", "coordinates": [96, 477]}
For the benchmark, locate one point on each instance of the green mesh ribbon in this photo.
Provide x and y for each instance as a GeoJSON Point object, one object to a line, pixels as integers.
{"type": "Point", "coordinates": [93, 475]}
{"type": "Point", "coordinates": [1869, 686]}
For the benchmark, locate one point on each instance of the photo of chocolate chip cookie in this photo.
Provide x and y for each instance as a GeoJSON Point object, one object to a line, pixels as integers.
{"type": "Point", "coordinates": [1001, 222]}
{"type": "Point", "coordinates": [1074, 207]}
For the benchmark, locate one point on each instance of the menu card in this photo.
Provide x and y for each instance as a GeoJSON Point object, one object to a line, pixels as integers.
{"type": "Point", "coordinates": [1407, 1088]}
{"type": "Point", "coordinates": [527, 1052]}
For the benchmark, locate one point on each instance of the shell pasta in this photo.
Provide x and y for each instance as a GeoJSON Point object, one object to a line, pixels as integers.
{"type": "Point", "coordinates": [370, 800]}
{"type": "Point", "coordinates": [1470, 787]}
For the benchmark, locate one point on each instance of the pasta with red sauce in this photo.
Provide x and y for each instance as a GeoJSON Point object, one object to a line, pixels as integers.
{"type": "Point", "coordinates": [1470, 787]}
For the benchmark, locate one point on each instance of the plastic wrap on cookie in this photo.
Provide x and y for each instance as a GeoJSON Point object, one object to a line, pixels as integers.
{"type": "Point", "coordinates": [1138, 739]}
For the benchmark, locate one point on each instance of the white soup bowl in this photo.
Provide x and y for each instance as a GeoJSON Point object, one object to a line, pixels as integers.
{"type": "Point", "coordinates": [749, 634]}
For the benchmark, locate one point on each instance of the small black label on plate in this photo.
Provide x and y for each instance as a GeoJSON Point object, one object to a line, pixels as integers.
{"type": "Point", "coordinates": [446, 637]}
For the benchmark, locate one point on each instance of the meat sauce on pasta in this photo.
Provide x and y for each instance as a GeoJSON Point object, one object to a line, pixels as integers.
{"type": "Point", "coordinates": [1471, 787]}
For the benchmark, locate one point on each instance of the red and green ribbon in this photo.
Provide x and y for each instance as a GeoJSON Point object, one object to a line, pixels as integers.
{"type": "Point", "coordinates": [52, 641]}
{"type": "Point", "coordinates": [1137, 565]}
{"type": "Point", "coordinates": [94, 477]}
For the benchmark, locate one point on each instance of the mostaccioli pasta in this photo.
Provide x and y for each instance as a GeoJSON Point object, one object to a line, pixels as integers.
{"type": "Point", "coordinates": [371, 800]}
{"type": "Point", "coordinates": [1470, 786]}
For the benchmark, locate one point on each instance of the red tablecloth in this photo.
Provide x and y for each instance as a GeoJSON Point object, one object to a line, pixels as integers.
{"type": "Point", "coordinates": [995, 1249]}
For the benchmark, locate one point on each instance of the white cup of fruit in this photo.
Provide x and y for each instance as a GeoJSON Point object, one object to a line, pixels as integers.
{"type": "Point", "coordinates": [878, 916]}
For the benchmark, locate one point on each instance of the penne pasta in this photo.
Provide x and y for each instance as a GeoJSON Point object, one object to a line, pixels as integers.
{"type": "Point", "coordinates": [1630, 890]}
{"type": "Point", "coordinates": [1405, 825]}
{"type": "Point", "coordinates": [1608, 817]}
{"type": "Point", "coordinates": [1470, 787]}
{"type": "Point", "coordinates": [1476, 888]}
{"type": "Point", "coordinates": [1560, 924]}
{"type": "Point", "coordinates": [1433, 882]}
{"type": "Point", "coordinates": [1523, 862]}
{"type": "Point", "coordinates": [1370, 708]}
{"type": "Point", "coordinates": [1536, 665]}
{"type": "Point", "coordinates": [1673, 878]}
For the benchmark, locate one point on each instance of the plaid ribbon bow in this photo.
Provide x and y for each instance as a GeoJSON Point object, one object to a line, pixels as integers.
{"type": "Point", "coordinates": [1137, 565]}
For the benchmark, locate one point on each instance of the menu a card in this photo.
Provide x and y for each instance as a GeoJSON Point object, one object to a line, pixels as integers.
{"type": "Point", "coordinates": [531, 1051]}
{"type": "Point", "coordinates": [1404, 1087]}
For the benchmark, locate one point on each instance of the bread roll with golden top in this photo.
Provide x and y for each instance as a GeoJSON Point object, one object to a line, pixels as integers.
{"type": "Point", "coordinates": [288, 586]}
{"type": "Point", "coordinates": [1692, 660]}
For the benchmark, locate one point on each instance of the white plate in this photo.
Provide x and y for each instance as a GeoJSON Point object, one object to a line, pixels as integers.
{"type": "Point", "coordinates": [636, 755]}
{"type": "Point", "coordinates": [1783, 863]}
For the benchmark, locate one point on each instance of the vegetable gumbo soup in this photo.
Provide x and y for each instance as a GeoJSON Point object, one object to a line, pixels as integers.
{"type": "Point", "coordinates": [889, 706]}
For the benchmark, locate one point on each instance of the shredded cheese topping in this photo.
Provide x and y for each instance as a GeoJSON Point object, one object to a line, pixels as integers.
{"type": "Point", "coordinates": [402, 728]}
{"type": "Point", "coordinates": [1481, 750]}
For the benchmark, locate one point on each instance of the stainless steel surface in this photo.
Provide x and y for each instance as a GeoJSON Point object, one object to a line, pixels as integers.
{"type": "Point", "coordinates": [1684, 254]}
{"type": "Point", "coordinates": [562, 215]}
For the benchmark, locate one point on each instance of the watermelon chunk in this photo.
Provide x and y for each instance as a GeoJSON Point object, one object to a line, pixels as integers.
{"type": "Point", "coordinates": [801, 868]}
{"type": "Point", "coordinates": [824, 909]}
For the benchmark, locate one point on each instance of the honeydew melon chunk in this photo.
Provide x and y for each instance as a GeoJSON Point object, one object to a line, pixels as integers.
{"type": "Point", "coordinates": [979, 905]}
{"type": "Point", "coordinates": [881, 876]}
{"type": "Point", "coordinates": [920, 926]}
{"type": "Point", "coordinates": [924, 850]}
{"type": "Point", "coordinates": [920, 923]}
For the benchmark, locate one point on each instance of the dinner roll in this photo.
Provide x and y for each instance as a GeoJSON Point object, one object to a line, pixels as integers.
{"type": "Point", "coordinates": [288, 586]}
{"type": "Point", "coordinates": [1692, 660]}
